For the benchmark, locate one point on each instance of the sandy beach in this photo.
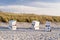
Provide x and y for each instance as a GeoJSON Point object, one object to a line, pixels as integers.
{"type": "Point", "coordinates": [25, 32]}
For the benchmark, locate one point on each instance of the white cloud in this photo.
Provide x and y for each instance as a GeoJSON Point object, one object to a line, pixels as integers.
{"type": "Point", "coordinates": [44, 4]}
{"type": "Point", "coordinates": [47, 9]}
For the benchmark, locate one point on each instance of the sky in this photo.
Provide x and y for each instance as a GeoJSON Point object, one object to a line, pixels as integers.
{"type": "Point", "coordinates": [40, 7]}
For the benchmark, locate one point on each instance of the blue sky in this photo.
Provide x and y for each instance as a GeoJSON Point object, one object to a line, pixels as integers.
{"type": "Point", "coordinates": [24, 2]}
{"type": "Point", "coordinates": [43, 7]}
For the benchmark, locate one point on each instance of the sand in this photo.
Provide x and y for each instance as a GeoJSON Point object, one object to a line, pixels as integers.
{"type": "Point", "coordinates": [24, 33]}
